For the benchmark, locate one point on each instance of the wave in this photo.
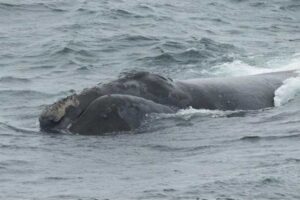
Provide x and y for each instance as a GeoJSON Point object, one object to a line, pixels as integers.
{"type": "Point", "coordinates": [137, 38]}
{"type": "Point", "coordinates": [292, 7]}
{"type": "Point", "coordinates": [122, 12]}
{"type": "Point", "coordinates": [202, 53]}
{"type": "Point", "coordinates": [85, 10]}
{"type": "Point", "coordinates": [216, 20]}
{"type": "Point", "coordinates": [24, 93]}
{"type": "Point", "coordinates": [11, 79]}
{"type": "Point", "coordinates": [57, 178]}
{"type": "Point", "coordinates": [42, 67]}
{"type": "Point", "coordinates": [50, 49]}
{"type": "Point", "coordinates": [259, 138]}
{"type": "Point", "coordinates": [270, 180]}
{"type": "Point", "coordinates": [115, 13]}
{"type": "Point", "coordinates": [294, 160]}
{"type": "Point", "coordinates": [258, 4]}
{"type": "Point", "coordinates": [31, 7]}
{"type": "Point", "coordinates": [13, 162]}
{"type": "Point", "coordinates": [161, 59]}
{"type": "Point", "coordinates": [250, 138]}
{"type": "Point", "coordinates": [19, 147]}
{"type": "Point", "coordinates": [166, 148]}
{"type": "Point", "coordinates": [11, 97]}
{"type": "Point", "coordinates": [14, 129]}
{"type": "Point", "coordinates": [142, 12]}
{"type": "Point", "coordinates": [67, 49]}
{"type": "Point", "coordinates": [145, 7]}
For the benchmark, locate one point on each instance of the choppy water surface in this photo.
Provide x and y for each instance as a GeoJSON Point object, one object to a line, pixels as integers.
{"type": "Point", "coordinates": [48, 49]}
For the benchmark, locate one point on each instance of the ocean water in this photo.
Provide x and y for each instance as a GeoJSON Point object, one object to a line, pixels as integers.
{"type": "Point", "coordinates": [50, 49]}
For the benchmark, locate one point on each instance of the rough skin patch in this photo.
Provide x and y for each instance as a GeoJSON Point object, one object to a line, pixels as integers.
{"type": "Point", "coordinates": [56, 111]}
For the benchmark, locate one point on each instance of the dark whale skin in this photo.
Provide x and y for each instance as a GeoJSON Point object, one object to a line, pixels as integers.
{"type": "Point", "coordinates": [86, 112]}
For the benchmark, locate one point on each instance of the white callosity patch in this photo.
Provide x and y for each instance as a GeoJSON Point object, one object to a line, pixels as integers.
{"type": "Point", "coordinates": [56, 111]}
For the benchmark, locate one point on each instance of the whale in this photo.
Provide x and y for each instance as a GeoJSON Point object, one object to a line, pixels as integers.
{"type": "Point", "coordinates": [124, 103]}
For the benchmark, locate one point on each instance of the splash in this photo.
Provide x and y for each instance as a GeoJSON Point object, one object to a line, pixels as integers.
{"type": "Point", "coordinates": [291, 87]}
{"type": "Point", "coordinates": [288, 91]}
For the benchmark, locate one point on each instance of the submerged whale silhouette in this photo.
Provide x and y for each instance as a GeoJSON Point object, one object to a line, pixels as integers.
{"type": "Point", "coordinates": [122, 104]}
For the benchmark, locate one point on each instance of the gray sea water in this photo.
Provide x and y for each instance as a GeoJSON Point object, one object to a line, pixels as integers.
{"type": "Point", "coordinates": [51, 48]}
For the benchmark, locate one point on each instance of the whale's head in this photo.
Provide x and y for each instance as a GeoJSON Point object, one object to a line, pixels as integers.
{"type": "Point", "coordinates": [59, 115]}
{"type": "Point", "coordinates": [137, 92]}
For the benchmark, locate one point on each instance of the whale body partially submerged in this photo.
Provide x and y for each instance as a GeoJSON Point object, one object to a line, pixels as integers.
{"type": "Point", "coordinates": [122, 104]}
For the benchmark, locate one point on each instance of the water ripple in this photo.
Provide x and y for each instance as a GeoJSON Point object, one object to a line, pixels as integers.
{"type": "Point", "coordinates": [14, 129]}
{"type": "Point", "coordinates": [12, 80]}
{"type": "Point", "coordinates": [269, 138]}
{"type": "Point", "coordinates": [31, 7]}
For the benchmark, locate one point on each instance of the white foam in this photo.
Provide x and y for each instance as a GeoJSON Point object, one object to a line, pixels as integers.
{"type": "Point", "coordinates": [235, 68]}
{"type": "Point", "coordinates": [291, 87]}
{"type": "Point", "coordinates": [190, 112]}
